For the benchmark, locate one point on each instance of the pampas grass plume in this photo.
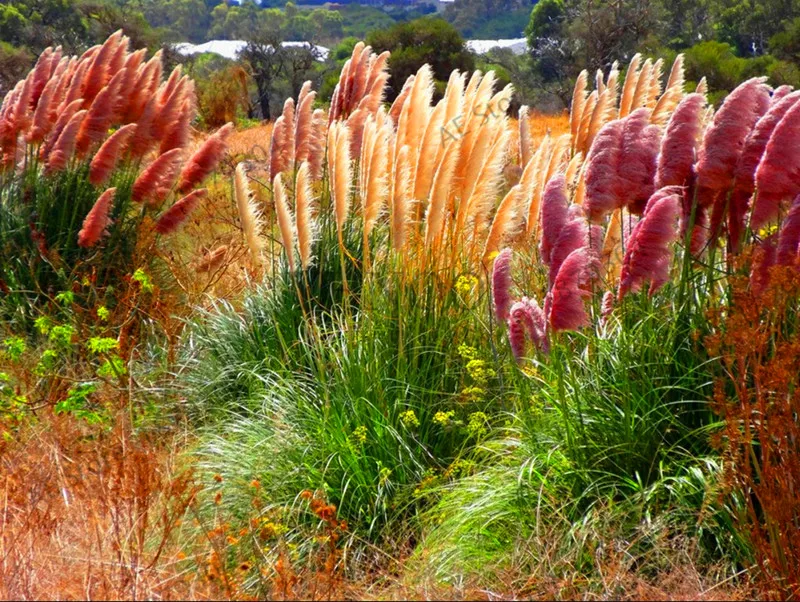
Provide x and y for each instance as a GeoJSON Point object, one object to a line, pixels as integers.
{"type": "Point", "coordinates": [205, 159]}
{"type": "Point", "coordinates": [106, 157]}
{"type": "Point", "coordinates": [97, 220]}
{"type": "Point", "coordinates": [176, 215]}
{"type": "Point", "coordinates": [285, 221]}
{"type": "Point", "coordinates": [154, 183]}
{"type": "Point", "coordinates": [501, 285]}
{"type": "Point", "coordinates": [304, 217]}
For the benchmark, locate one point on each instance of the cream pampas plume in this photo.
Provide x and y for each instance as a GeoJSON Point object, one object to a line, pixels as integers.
{"type": "Point", "coordinates": [490, 178]}
{"type": "Point", "coordinates": [96, 222]}
{"type": "Point", "coordinates": [278, 159]}
{"type": "Point", "coordinates": [205, 159]}
{"type": "Point", "coordinates": [642, 91]}
{"type": "Point", "coordinates": [316, 150]}
{"type": "Point", "coordinates": [249, 216]}
{"type": "Point", "coordinates": [340, 169]}
{"type": "Point", "coordinates": [724, 140]}
{"type": "Point", "coordinates": [285, 220]}
{"type": "Point", "coordinates": [106, 157]}
{"type": "Point", "coordinates": [401, 201]}
{"type": "Point", "coordinates": [673, 93]}
{"type": "Point", "coordinates": [289, 142]}
{"type": "Point", "coordinates": [400, 101]}
{"type": "Point", "coordinates": [576, 108]}
{"type": "Point", "coordinates": [629, 87]}
{"type": "Point", "coordinates": [176, 215]}
{"type": "Point", "coordinates": [778, 173]}
{"type": "Point", "coordinates": [64, 147]}
{"type": "Point", "coordinates": [506, 223]}
{"type": "Point", "coordinates": [428, 152]}
{"type": "Point", "coordinates": [678, 147]}
{"type": "Point", "coordinates": [649, 251]}
{"type": "Point", "coordinates": [525, 142]}
{"type": "Point", "coordinates": [375, 187]}
{"type": "Point", "coordinates": [303, 129]}
{"type": "Point", "coordinates": [501, 285]}
{"type": "Point", "coordinates": [155, 182]}
{"type": "Point", "coordinates": [304, 215]}
{"type": "Point", "coordinates": [442, 179]}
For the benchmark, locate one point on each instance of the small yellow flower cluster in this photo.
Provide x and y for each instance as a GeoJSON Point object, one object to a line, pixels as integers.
{"type": "Point", "coordinates": [473, 392]}
{"type": "Point", "coordinates": [359, 436]}
{"type": "Point", "coordinates": [768, 230]}
{"type": "Point", "coordinates": [465, 284]}
{"type": "Point", "coordinates": [384, 475]}
{"type": "Point", "coordinates": [467, 352]}
{"type": "Point", "coordinates": [444, 418]}
{"type": "Point", "coordinates": [429, 479]}
{"type": "Point", "coordinates": [409, 419]}
{"type": "Point", "coordinates": [476, 425]}
{"type": "Point", "coordinates": [460, 468]}
{"type": "Point", "coordinates": [480, 372]}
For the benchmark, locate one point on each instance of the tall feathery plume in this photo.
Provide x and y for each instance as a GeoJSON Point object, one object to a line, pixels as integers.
{"type": "Point", "coordinates": [602, 165]}
{"type": "Point", "coordinates": [573, 235]}
{"type": "Point", "coordinates": [106, 157]}
{"type": "Point", "coordinates": [304, 215]}
{"type": "Point", "coordinates": [576, 108]}
{"type": "Point", "coordinates": [63, 119]}
{"type": "Point", "coordinates": [778, 173]}
{"type": "Point", "coordinates": [554, 215]}
{"type": "Point", "coordinates": [789, 236]}
{"type": "Point", "coordinates": [428, 151]}
{"type": "Point", "coordinates": [97, 76]}
{"type": "Point", "coordinates": [678, 147]}
{"type": "Point", "coordinates": [147, 80]}
{"type": "Point", "coordinates": [566, 305]}
{"type": "Point", "coordinates": [525, 142]}
{"type": "Point", "coordinates": [285, 221]}
{"type": "Point", "coordinates": [45, 115]}
{"type": "Point", "coordinates": [526, 318]}
{"type": "Point", "coordinates": [278, 160]}
{"type": "Point", "coordinates": [724, 140]}
{"type": "Point", "coordinates": [487, 187]}
{"type": "Point", "coordinates": [586, 118]}
{"type": "Point", "coordinates": [177, 133]}
{"type": "Point", "coordinates": [506, 223]}
{"type": "Point", "coordinates": [168, 110]}
{"type": "Point", "coordinates": [637, 167]}
{"type": "Point", "coordinates": [76, 84]}
{"type": "Point", "coordinates": [629, 87]}
{"type": "Point", "coordinates": [205, 159]}
{"type": "Point", "coordinates": [744, 176]}
{"type": "Point", "coordinates": [249, 216]}
{"type": "Point", "coordinates": [501, 285]}
{"type": "Point", "coordinates": [289, 143]}
{"type": "Point", "coordinates": [41, 73]}
{"type": "Point", "coordinates": [98, 119]}
{"type": "Point", "coordinates": [175, 216]}
{"type": "Point", "coordinates": [642, 91]}
{"type": "Point", "coordinates": [316, 149]}
{"type": "Point", "coordinates": [155, 182]}
{"type": "Point", "coordinates": [603, 113]}
{"type": "Point", "coordinates": [303, 129]}
{"type": "Point", "coordinates": [649, 251]}
{"type": "Point", "coordinates": [619, 230]}
{"type": "Point", "coordinates": [673, 93]}
{"type": "Point", "coordinates": [533, 180]}
{"type": "Point", "coordinates": [654, 89]}
{"type": "Point", "coordinates": [440, 190]}
{"type": "Point", "coordinates": [400, 101]}
{"type": "Point", "coordinates": [401, 201]}
{"type": "Point", "coordinates": [97, 220]}
{"type": "Point", "coordinates": [375, 191]}
{"type": "Point", "coordinates": [22, 110]}
{"type": "Point", "coordinates": [341, 174]}
{"type": "Point", "coordinates": [64, 147]}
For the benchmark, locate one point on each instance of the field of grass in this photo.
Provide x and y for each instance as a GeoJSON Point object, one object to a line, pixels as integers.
{"type": "Point", "coordinates": [419, 350]}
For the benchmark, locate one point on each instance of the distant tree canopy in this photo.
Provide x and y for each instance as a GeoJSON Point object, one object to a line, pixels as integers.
{"type": "Point", "coordinates": [427, 40]}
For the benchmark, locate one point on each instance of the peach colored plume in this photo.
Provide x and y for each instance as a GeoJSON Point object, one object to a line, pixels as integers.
{"type": "Point", "coordinates": [64, 147]}
{"type": "Point", "coordinates": [97, 220]}
{"type": "Point", "coordinates": [155, 182]}
{"type": "Point", "coordinates": [100, 115]}
{"type": "Point", "coordinates": [176, 215]}
{"type": "Point", "coordinates": [106, 157]}
{"type": "Point", "coordinates": [205, 159]}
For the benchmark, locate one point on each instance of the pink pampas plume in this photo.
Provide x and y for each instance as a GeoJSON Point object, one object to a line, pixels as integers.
{"type": "Point", "coordinates": [45, 115]}
{"type": "Point", "coordinates": [63, 119]}
{"type": "Point", "coordinates": [176, 215]}
{"type": "Point", "coordinates": [143, 137]}
{"type": "Point", "coordinates": [648, 255]}
{"type": "Point", "coordinates": [100, 114]}
{"type": "Point", "coordinates": [725, 138]}
{"type": "Point", "coordinates": [64, 147]}
{"type": "Point", "coordinates": [501, 285]}
{"type": "Point", "coordinates": [637, 167]}
{"type": "Point", "coordinates": [21, 114]}
{"type": "Point", "coordinates": [574, 235]}
{"type": "Point", "coordinates": [789, 236]}
{"type": "Point", "coordinates": [778, 173]}
{"type": "Point", "coordinates": [526, 318]}
{"type": "Point", "coordinates": [177, 133]}
{"type": "Point", "coordinates": [98, 74]}
{"type": "Point", "coordinates": [779, 92]}
{"type": "Point", "coordinates": [565, 308]}
{"type": "Point", "coordinates": [97, 220]}
{"type": "Point", "coordinates": [764, 258]}
{"type": "Point", "coordinates": [554, 214]}
{"type": "Point", "coordinates": [42, 71]}
{"type": "Point", "coordinates": [601, 171]}
{"type": "Point", "coordinates": [106, 157]}
{"type": "Point", "coordinates": [678, 147]}
{"type": "Point", "coordinates": [607, 306]}
{"type": "Point", "coordinates": [205, 159]}
{"type": "Point", "coordinates": [154, 183]}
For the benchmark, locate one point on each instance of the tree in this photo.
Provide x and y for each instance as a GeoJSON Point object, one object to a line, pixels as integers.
{"type": "Point", "coordinates": [426, 40]}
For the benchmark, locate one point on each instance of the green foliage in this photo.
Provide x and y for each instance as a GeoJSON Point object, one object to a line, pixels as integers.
{"type": "Point", "coordinates": [428, 40]}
